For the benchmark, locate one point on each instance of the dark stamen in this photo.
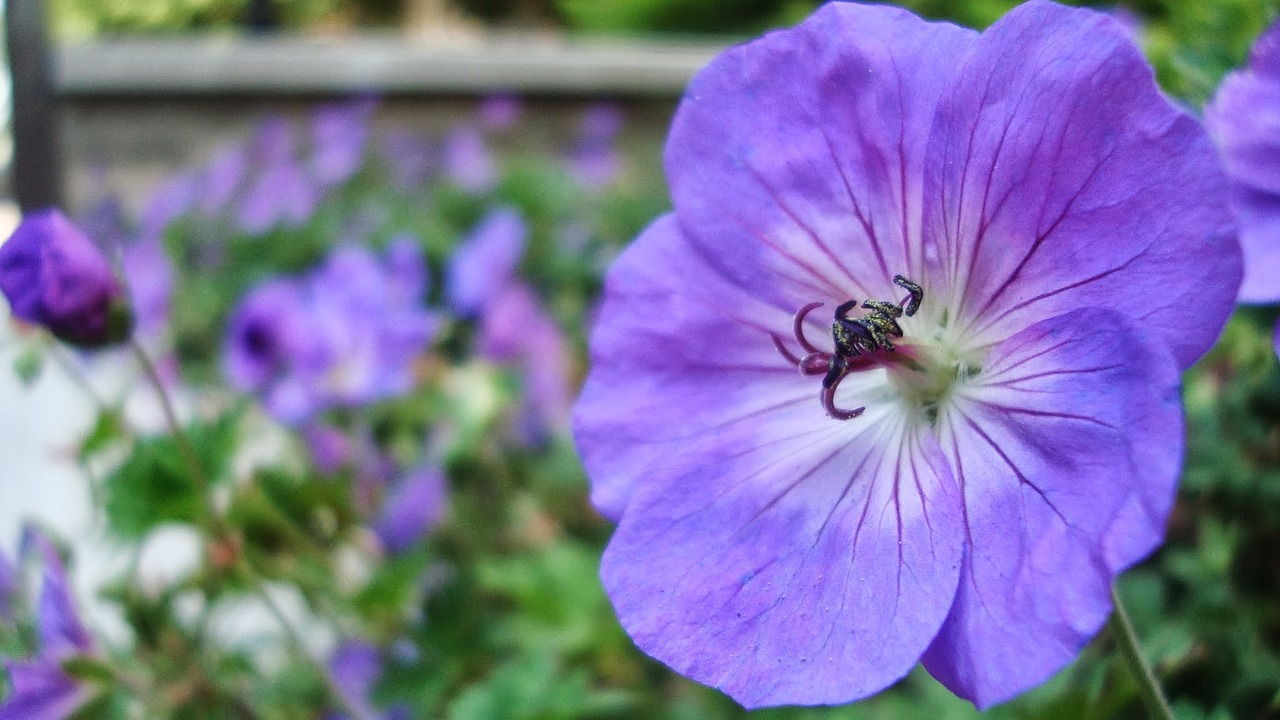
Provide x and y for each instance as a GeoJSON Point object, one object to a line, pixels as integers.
{"type": "Point", "coordinates": [853, 338]}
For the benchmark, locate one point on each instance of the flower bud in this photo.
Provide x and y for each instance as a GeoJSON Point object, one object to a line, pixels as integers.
{"type": "Point", "coordinates": [53, 275]}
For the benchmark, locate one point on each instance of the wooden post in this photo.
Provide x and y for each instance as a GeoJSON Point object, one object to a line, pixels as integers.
{"type": "Point", "coordinates": [37, 163]}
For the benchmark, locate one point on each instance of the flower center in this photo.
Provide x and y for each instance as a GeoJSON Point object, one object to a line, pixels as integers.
{"type": "Point", "coordinates": [860, 343]}
{"type": "Point", "coordinates": [940, 365]}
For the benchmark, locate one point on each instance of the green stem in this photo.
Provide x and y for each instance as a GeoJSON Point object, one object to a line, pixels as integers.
{"type": "Point", "coordinates": [215, 524]}
{"type": "Point", "coordinates": [179, 435]}
{"type": "Point", "coordinates": [1122, 626]}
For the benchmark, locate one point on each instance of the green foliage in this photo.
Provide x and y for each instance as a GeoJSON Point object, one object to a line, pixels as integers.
{"type": "Point", "coordinates": [702, 16]}
{"type": "Point", "coordinates": [156, 484]}
{"type": "Point", "coordinates": [28, 366]}
{"type": "Point", "coordinates": [81, 18]}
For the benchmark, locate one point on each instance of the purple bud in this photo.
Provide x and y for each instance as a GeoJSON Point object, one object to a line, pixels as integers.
{"type": "Point", "coordinates": [53, 275]}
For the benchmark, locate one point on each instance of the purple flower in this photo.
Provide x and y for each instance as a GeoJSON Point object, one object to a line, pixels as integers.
{"type": "Point", "coordinates": [53, 275]}
{"type": "Point", "coordinates": [148, 272]}
{"type": "Point", "coordinates": [169, 201]}
{"type": "Point", "coordinates": [339, 134]}
{"type": "Point", "coordinates": [500, 112]}
{"type": "Point", "coordinates": [274, 142]}
{"type": "Point", "coordinates": [467, 160]}
{"type": "Point", "coordinates": [1039, 246]}
{"type": "Point", "coordinates": [412, 508]}
{"type": "Point", "coordinates": [223, 178]}
{"type": "Point", "coordinates": [330, 448]}
{"type": "Point", "coordinates": [356, 667]}
{"type": "Point", "coordinates": [345, 336]}
{"type": "Point", "coordinates": [409, 157]}
{"type": "Point", "coordinates": [269, 331]}
{"type": "Point", "coordinates": [407, 268]}
{"type": "Point", "coordinates": [41, 689]}
{"type": "Point", "coordinates": [281, 192]}
{"type": "Point", "coordinates": [8, 587]}
{"type": "Point", "coordinates": [594, 161]}
{"type": "Point", "coordinates": [485, 261]}
{"type": "Point", "coordinates": [1244, 118]}
{"type": "Point", "coordinates": [281, 195]}
{"type": "Point", "coordinates": [516, 329]}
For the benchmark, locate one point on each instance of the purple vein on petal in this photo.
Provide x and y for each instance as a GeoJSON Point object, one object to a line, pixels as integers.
{"type": "Point", "coordinates": [809, 270]}
{"type": "Point", "coordinates": [1022, 477]}
{"type": "Point", "coordinates": [1041, 237]}
{"type": "Point", "coordinates": [990, 320]}
{"type": "Point", "coordinates": [867, 227]}
{"type": "Point", "coordinates": [795, 218]}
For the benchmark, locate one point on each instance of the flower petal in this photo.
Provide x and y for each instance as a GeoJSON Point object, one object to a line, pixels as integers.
{"type": "Point", "coordinates": [1244, 118]}
{"type": "Point", "coordinates": [1065, 179]}
{"type": "Point", "coordinates": [1067, 448]}
{"type": "Point", "coordinates": [783, 572]}
{"type": "Point", "coordinates": [41, 691]}
{"type": "Point", "coordinates": [677, 353]}
{"type": "Point", "coordinates": [795, 160]}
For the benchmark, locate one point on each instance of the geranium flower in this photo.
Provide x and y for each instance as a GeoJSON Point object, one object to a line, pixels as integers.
{"type": "Point", "coordinates": [356, 667]}
{"type": "Point", "coordinates": [53, 275]}
{"type": "Point", "coordinates": [344, 336]}
{"type": "Point", "coordinates": [595, 162]}
{"type": "Point", "coordinates": [42, 690]}
{"type": "Point", "coordinates": [516, 329]}
{"type": "Point", "coordinates": [485, 261]}
{"type": "Point", "coordinates": [412, 507]}
{"type": "Point", "coordinates": [8, 587]}
{"type": "Point", "coordinates": [965, 462]}
{"type": "Point", "coordinates": [339, 135]}
{"type": "Point", "coordinates": [467, 160]}
{"type": "Point", "coordinates": [1244, 118]}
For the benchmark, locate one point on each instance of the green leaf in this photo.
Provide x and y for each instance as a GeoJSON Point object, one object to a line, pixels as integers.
{"type": "Point", "coordinates": [108, 428]}
{"type": "Point", "coordinates": [156, 483]}
{"type": "Point", "coordinates": [29, 365]}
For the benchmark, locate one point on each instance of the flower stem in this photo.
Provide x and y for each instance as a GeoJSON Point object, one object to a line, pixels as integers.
{"type": "Point", "coordinates": [215, 525]}
{"type": "Point", "coordinates": [179, 435]}
{"type": "Point", "coordinates": [1152, 695]}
